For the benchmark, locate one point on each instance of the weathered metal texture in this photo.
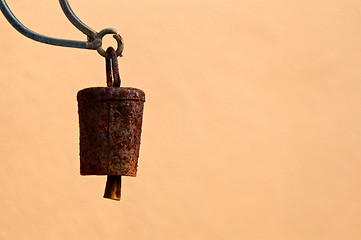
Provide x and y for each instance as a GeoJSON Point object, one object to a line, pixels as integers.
{"type": "Point", "coordinates": [110, 120]}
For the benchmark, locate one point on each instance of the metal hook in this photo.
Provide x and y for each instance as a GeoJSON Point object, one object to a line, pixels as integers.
{"type": "Point", "coordinates": [94, 39]}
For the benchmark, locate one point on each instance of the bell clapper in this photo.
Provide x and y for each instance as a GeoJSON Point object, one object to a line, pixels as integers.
{"type": "Point", "coordinates": [113, 187]}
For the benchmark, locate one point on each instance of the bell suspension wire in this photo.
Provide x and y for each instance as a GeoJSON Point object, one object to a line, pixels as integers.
{"type": "Point", "coordinates": [111, 67]}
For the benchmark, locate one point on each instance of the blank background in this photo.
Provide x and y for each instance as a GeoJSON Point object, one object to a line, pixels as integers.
{"type": "Point", "coordinates": [252, 122]}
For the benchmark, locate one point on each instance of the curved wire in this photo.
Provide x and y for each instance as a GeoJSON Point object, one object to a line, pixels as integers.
{"type": "Point", "coordinates": [94, 39]}
{"type": "Point", "coordinates": [76, 21]}
{"type": "Point", "coordinates": [41, 38]}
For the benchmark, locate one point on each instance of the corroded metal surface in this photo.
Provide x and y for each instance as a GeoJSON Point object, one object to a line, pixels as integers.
{"type": "Point", "coordinates": [110, 120]}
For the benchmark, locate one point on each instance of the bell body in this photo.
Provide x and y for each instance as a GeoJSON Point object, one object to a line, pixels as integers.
{"type": "Point", "coordinates": [110, 121]}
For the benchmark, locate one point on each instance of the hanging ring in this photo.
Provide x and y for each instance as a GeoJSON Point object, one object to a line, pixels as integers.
{"type": "Point", "coordinates": [117, 37]}
{"type": "Point", "coordinates": [112, 70]}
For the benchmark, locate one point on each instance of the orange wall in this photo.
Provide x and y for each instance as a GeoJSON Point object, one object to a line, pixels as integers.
{"type": "Point", "coordinates": [252, 125]}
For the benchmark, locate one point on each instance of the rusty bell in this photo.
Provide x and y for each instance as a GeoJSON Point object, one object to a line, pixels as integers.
{"type": "Point", "coordinates": [110, 120]}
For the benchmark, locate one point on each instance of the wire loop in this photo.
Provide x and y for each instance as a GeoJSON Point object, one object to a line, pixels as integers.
{"type": "Point", "coordinates": [111, 67]}
{"type": "Point", "coordinates": [119, 40]}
